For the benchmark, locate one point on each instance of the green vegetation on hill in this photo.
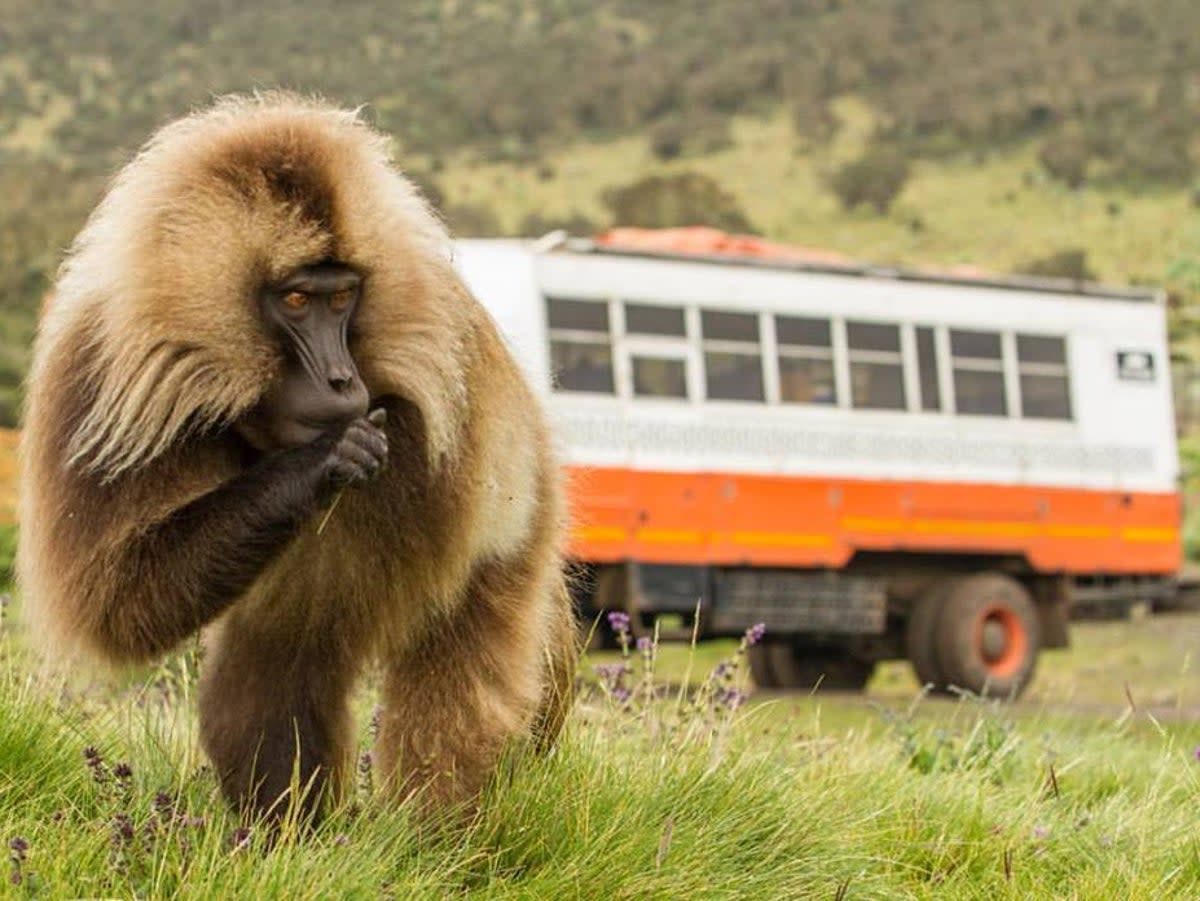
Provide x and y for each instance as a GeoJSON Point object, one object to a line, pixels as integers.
{"type": "Point", "coordinates": [1075, 118]}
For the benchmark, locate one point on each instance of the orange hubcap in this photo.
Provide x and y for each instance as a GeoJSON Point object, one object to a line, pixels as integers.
{"type": "Point", "coordinates": [1001, 641]}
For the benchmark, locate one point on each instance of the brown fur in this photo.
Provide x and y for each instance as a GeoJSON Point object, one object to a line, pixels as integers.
{"type": "Point", "coordinates": [446, 568]}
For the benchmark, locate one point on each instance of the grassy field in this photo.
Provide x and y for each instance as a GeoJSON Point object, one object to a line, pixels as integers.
{"type": "Point", "coordinates": [1072, 793]}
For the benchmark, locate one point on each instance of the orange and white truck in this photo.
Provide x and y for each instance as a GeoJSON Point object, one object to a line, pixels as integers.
{"type": "Point", "coordinates": [874, 462]}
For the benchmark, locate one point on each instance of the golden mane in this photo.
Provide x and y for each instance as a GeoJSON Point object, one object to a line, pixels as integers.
{"type": "Point", "coordinates": [212, 207]}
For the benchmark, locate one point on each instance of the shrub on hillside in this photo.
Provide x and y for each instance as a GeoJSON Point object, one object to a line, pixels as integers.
{"type": "Point", "coordinates": [666, 139]}
{"type": "Point", "coordinates": [663, 201]}
{"type": "Point", "coordinates": [875, 178]}
{"type": "Point", "coordinates": [1065, 158]}
{"type": "Point", "coordinates": [688, 134]}
{"type": "Point", "coordinates": [1070, 262]}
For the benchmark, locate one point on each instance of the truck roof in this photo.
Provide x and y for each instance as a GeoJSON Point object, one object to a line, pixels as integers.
{"type": "Point", "coordinates": [709, 245]}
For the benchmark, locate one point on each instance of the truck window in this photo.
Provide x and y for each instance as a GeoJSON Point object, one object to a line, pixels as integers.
{"type": "Point", "coordinates": [732, 356]}
{"type": "Point", "coordinates": [659, 377]}
{"type": "Point", "coordinates": [580, 345]}
{"type": "Point", "coordinates": [927, 369]}
{"type": "Point", "coordinates": [647, 319]}
{"type": "Point", "coordinates": [805, 350]}
{"type": "Point", "coordinates": [1044, 377]}
{"type": "Point", "coordinates": [978, 367]}
{"type": "Point", "coordinates": [876, 366]}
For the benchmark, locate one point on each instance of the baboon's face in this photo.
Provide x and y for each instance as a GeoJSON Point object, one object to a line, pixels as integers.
{"type": "Point", "coordinates": [309, 314]}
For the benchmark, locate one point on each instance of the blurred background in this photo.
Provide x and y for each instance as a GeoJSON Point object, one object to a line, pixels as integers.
{"type": "Point", "coordinates": [1052, 138]}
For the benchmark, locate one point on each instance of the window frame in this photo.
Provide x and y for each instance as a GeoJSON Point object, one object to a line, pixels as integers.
{"type": "Point", "coordinates": [578, 336]}
{"type": "Point", "coordinates": [1056, 370]}
{"type": "Point", "coordinates": [664, 348]}
{"type": "Point", "coordinates": [918, 378]}
{"type": "Point", "coordinates": [877, 357]}
{"type": "Point", "coordinates": [1000, 365]}
{"type": "Point", "coordinates": [812, 352]}
{"type": "Point", "coordinates": [732, 347]}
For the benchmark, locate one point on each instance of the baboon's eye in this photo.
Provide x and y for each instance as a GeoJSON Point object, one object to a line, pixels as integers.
{"type": "Point", "coordinates": [295, 300]}
{"type": "Point", "coordinates": [340, 300]}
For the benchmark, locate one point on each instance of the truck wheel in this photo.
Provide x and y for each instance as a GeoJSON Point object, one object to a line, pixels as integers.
{"type": "Point", "coordinates": [987, 635]}
{"type": "Point", "coordinates": [760, 666]}
{"type": "Point", "coordinates": [920, 638]}
{"type": "Point", "coordinates": [794, 666]}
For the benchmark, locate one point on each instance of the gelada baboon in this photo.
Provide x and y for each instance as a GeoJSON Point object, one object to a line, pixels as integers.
{"type": "Point", "coordinates": [261, 400]}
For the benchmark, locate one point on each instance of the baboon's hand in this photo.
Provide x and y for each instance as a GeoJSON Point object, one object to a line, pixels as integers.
{"type": "Point", "coordinates": [359, 452]}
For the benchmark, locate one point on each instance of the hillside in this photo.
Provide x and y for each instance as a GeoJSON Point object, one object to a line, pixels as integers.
{"type": "Point", "coordinates": [1075, 119]}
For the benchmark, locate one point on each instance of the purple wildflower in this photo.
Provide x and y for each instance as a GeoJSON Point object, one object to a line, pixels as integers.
{"type": "Point", "coordinates": [95, 762]}
{"type": "Point", "coordinates": [621, 694]}
{"type": "Point", "coordinates": [722, 670]}
{"type": "Point", "coordinates": [122, 829]}
{"type": "Point", "coordinates": [755, 633]}
{"type": "Point", "coordinates": [645, 644]}
{"type": "Point", "coordinates": [123, 771]}
{"type": "Point", "coordinates": [618, 621]}
{"type": "Point", "coordinates": [366, 771]}
{"type": "Point", "coordinates": [731, 698]}
{"type": "Point", "coordinates": [611, 673]}
{"type": "Point", "coordinates": [1196, 753]}
{"type": "Point", "coordinates": [16, 855]}
{"type": "Point", "coordinates": [1040, 832]}
{"type": "Point", "coordinates": [163, 804]}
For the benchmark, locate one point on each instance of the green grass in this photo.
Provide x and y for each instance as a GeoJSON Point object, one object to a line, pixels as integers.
{"type": "Point", "coordinates": [1154, 660]}
{"type": "Point", "coordinates": [891, 796]}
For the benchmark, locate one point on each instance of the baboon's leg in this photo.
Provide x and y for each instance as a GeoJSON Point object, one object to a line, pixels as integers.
{"type": "Point", "coordinates": [273, 710]}
{"type": "Point", "coordinates": [475, 684]}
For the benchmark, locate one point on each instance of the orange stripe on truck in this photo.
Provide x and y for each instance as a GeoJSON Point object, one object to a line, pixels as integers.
{"type": "Point", "coordinates": [748, 520]}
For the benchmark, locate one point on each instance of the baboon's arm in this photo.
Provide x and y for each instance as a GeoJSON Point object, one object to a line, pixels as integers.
{"type": "Point", "coordinates": [191, 566]}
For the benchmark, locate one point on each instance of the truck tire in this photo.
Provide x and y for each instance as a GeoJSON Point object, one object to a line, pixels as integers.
{"type": "Point", "coordinates": [920, 638]}
{"type": "Point", "coordinates": [795, 666]}
{"type": "Point", "coordinates": [987, 635]}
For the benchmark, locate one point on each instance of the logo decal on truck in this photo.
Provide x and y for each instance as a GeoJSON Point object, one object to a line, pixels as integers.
{"type": "Point", "coordinates": [1135, 365]}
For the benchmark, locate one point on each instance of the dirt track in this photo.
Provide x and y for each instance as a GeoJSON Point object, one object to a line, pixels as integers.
{"type": "Point", "coordinates": [1149, 666]}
